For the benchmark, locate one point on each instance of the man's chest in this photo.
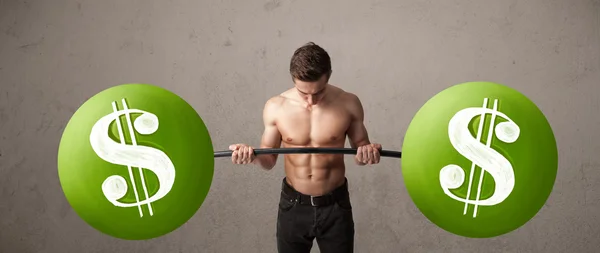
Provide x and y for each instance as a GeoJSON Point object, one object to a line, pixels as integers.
{"type": "Point", "coordinates": [319, 126]}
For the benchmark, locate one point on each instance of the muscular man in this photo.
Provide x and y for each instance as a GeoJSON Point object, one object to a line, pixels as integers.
{"type": "Point", "coordinates": [315, 202]}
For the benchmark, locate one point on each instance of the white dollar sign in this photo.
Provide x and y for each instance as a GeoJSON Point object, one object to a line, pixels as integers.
{"type": "Point", "coordinates": [115, 187]}
{"type": "Point", "coordinates": [452, 176]}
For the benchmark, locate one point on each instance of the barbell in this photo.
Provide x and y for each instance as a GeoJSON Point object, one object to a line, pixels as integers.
{"type": "Point", "coordinates": [136, 161]}
{"type": "Point", "coordinates": [343, 151]}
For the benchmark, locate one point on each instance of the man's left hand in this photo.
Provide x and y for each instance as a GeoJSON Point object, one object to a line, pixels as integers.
{"type": "Point", "coordinates": [368, 154]}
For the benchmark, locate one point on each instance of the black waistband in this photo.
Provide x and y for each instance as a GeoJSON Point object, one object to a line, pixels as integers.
{"type": "Point", "coordinates": [327, 199]}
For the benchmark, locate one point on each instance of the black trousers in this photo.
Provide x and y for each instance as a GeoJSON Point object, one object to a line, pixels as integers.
{"type": "Point", "coordinates": [328, 218]}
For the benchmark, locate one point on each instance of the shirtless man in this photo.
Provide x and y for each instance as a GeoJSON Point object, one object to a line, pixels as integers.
{"type": "Point", "coordinates": [314, 200]}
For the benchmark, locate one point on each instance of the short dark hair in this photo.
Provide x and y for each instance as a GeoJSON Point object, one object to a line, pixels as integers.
{"type": "Point", "coordinates": [310, 62]}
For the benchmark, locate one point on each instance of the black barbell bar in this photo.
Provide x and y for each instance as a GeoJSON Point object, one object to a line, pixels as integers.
{"type": "Point", "coordinates": [345, 151]}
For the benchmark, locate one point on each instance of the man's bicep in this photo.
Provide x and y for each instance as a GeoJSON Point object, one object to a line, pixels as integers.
{"type": "Point", "coordinates": [357, 132]}
{"type": "Point", "coordinates": [271, 137]}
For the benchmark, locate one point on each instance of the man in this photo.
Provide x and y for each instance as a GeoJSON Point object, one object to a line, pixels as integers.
{"type": "Point", "coordinates": [315, 202]}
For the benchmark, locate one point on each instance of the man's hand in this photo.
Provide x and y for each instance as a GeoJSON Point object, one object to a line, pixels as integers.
{"type": "Point", "coordinates": [242, 154]}
{"type": "Point", "coordinates": [368, 154]}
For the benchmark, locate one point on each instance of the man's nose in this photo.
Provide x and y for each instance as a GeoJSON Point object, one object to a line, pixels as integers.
{"type": "Point", "coordinates": [312, 100]}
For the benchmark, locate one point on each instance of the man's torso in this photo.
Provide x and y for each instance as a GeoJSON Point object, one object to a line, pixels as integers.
{"type": "Point", "coordinates": [323, 125]}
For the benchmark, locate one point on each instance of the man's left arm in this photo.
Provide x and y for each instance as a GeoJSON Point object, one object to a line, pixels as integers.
{"type": "Point", "coordinates": [368, 153]}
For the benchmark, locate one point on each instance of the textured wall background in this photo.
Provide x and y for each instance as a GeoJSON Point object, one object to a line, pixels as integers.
{"type": "Point", "coordinates": [394, 54]}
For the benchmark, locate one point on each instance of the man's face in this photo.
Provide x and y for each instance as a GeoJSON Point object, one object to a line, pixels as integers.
{"type": "Point", "coordinates": [312, 92]}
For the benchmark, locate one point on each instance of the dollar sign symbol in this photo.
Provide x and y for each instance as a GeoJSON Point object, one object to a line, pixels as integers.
{"type": "Point", "coordinates": [452, 176]}
{"type": "Point", "coordinates": [142, 157]}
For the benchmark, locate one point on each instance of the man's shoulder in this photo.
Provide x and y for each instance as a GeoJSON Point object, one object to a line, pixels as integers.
{"type": "Point", "coordinates": [274, 103]}
{"type": "Point", "coordinates": [345, 97]}
{"type": "Point", "coordinates": [279, 99]}
{"type": "Point", "coordinates": [341, 93]}
{"type": "Point", "coordinates": [349, 100]}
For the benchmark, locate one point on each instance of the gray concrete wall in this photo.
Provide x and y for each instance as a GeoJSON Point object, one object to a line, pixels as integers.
{"type": "Point", "coordinates": [394, 54]}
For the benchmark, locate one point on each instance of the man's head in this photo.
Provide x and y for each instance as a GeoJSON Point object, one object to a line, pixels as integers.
{"type": "Point", "coordinates": [310, 68]}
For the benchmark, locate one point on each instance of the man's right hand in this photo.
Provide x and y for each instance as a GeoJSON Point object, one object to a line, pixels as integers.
{"type": "Point", "coordinates": [242, 154]}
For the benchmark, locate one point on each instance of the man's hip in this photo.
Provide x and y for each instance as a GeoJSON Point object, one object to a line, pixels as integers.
{"type": "Point", "coordinates": [339, 194]}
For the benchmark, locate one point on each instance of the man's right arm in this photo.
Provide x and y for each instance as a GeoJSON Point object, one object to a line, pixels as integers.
{"type": "Point", "coordinates": [271, 137]}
